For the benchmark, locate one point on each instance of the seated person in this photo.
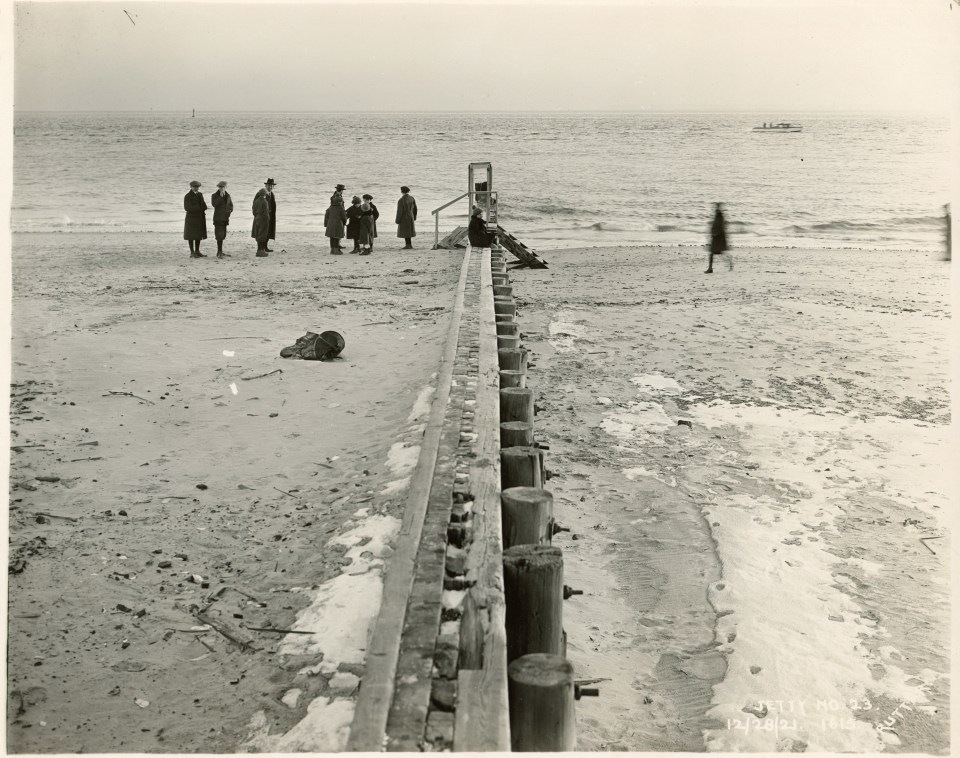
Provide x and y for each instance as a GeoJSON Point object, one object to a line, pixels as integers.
{"type": "Point", "coordinates": [477, 231]}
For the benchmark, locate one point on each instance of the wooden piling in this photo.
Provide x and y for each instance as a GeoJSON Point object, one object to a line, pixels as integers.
{"type": "Point", "coordinates": [505, 307]}
{"type": "Point", "coordinates": [508, 340]}
{"type": "Point", "coordinates": [516, 404]}
{"type": "Point", "coordinates": [512, 379]}
{"type": "Point", "coordinates": [508, 327]}
{"type": "Point", "coordinates": [527, 516]}
{"type": "Point", "coordinates": [520, 467]}
{"type": "Point", "coordinates": [503, 290]}
{"type": "Point", "coordinates": [512, 359]}
{"type": "Point", "coordinates": [542, 706]}
{"type": "Point", "coordinates": [505, 318]}
{"type": "Point", "coordinates": [500, 278]}
{"type": "Point", "coordinates": [516, 434]}
{"type": "Point", "coordinates": [533, 593]}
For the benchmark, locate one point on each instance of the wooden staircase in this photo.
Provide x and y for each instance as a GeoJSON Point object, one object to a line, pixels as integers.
{"type": "Point", "coordinates": [456, 238]}
{"type": "Point", "coordinates": [524, 254]}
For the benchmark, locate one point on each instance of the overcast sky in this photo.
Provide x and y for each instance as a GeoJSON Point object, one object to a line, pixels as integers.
{"type": "Point", "coordinates": [767, 56]}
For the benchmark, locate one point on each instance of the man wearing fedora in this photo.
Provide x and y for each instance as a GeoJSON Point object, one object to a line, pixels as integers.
{"type": "Point", "coordinates": [406, 216]}
{"type": "Point", "coordinates": [195, 223]}
{"type": "Point", "coordinates": [272, 203]}
{"type": "Point", "coordinates": [222, 208]}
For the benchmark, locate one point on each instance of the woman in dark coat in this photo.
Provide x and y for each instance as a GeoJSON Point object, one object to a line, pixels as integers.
{"type": "Point", "coordinates": [376, 214]}
{"type": "Point", "coordinates": [195, 223]}
{"type": "Point", "coordinates": [335, 220]}
{"type": "Point", "coordinates": [261, 222]}
{"type": "Point", "coordinates": [367, 232]}
{"type": "Point", "coordinates": [477, 230]}
{"type": "Point", "coordinates": [718, 238]}
{"type": "Point", "coordinates": [353, 223]}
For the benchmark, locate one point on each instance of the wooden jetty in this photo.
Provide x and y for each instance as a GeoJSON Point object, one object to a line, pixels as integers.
{"type": "Point", "coordinates": [468, 651]}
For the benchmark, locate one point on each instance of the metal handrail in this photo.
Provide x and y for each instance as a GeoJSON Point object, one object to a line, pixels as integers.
{"type": "Point", "coordinates": [436, 212]}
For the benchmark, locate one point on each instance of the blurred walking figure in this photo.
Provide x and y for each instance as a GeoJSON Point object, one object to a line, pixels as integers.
{"type": "Point", "coordinates": [477, 230]}
{"type": "Point", "coordinates": [353, 223]}
{"type": "Point", "coordinates": [261, 222]}
{"type": "Point", "coordinates": [272, 203]}
{"type": "Point", "coordinates": [368, 227]}
{"type": "Point", "coordinates": [195, 223]}
{"type": "Point", "coordinates": [946, 210]}
{"type": "Point", "coordinates": [406, 216]}
{"type": "Point", "coordinates": [334, 220]}
{"type": "Point", "coordinates": [376, 214]}
{"type": "Point", "coordinates": [718, 238]}
{"type": "Point", "coordinates": [222, 208]}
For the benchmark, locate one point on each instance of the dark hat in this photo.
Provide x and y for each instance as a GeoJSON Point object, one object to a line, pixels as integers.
{"type": "Point", "coordinates": [367, 196]}
{"type": "Point", "coordinates": [477, 210]}
{"type": "Point", "coordinates": [404, 189]}
{"type": "Point", "coordinates": [340, 188]}
{"type": "Point", "coordinates": [221, 183]}
{"type": "Point", "coordinates": [194, 183]}
{"type": "Point", "coordinates": [355, 201]}
{"type": "Point", "coordinates": [269, 181]}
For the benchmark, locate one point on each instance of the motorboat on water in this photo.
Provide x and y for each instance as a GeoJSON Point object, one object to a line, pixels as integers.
{"type": "Point", "coordinates": [781, 127]}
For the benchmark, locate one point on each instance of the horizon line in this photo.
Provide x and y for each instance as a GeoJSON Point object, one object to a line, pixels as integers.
{"type": "Point", "coordinates": [472, 111]}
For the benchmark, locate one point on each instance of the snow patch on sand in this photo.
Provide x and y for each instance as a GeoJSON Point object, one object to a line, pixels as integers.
{"type": "Point", "coordinates": [658, 383]}
{"type": "Point", "coordinates": [402, 458]}
{"type": "Point", "coordinates": [325, 729]}
{"type": "Point", "coordinates": [421, 407]}
{"type": "Point", "coordinates": [634, 473]}
{"type": "Point", "coordinates": [397, 485]}
{"type": "Point", "coordinates": [564, 332]}
{"type": "Point", "coordinates": [639, 417]}
{"type": "Point", "coordinates": [375, 534]}
{"type": "Point", "coordinates": [339, 615]}
{"type": "Point", "coordinates": [794, 641]}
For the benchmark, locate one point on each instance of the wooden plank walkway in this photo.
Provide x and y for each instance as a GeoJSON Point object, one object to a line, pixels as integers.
{"type": "Point", "coordinates": [443, 593]}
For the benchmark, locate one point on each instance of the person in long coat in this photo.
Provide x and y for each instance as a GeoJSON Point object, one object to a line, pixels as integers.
{"type": "Point", "coordinates": [368, 224]}
{"type": "Point", "coordinates": [376, 214]}
{"type": "Point", "coordinates": [334, 220]}
{"type": "Point", "coordinates": [222, 208]}
{"type": "Point", "coordinates": [195, 223]}
{"type": "Point", "coordinates": [261, 222]}
{"type": "Point", "coordinates": [406, 216]}
{"type": "Point", "coordinates": [272, 203]}
{"type": "Point", "coordinates": [718, 238]}
{"type": "Point", "coordinates": [353, 223]}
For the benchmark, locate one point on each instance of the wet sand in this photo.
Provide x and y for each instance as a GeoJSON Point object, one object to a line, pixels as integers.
{"type": "Point", "coordinates": [754, 580]}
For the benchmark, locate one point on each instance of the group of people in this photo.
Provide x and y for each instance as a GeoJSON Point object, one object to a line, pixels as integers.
{"type": "Point", "coordinates": [358, 223]}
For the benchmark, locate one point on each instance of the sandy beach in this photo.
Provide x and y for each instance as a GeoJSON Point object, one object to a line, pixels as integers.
{"type": "Point", "coordinates": [754, 577]}
{"type": "Point", "coordinates": [760, 563]}
{"type": "Point", "coordinates": [163, 496]}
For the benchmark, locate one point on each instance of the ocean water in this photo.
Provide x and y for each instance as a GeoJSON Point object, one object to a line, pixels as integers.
{"type": "Point", "coordinates": [847, 180]}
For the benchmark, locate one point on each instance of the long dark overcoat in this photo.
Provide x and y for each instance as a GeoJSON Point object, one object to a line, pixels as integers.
{"type": "Point", "coordinates": [406, 216]}
{"type": "Point", "coordinates": [195, 223]}
{"type": "Point", "coordinates": [718, 234]}
{"type": "Point", "coordinates": [261, 217]}
{"type": "Point", "coordinates": [353, 221]}
{"type": "Point", "coordinates": [376, 215]}
{"type": "Point", "coordinates": [222, 208]}
{"type": "Point", "coordinates": [272, 203]}
{"type": "Point", "coordinates": [334, 219]}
